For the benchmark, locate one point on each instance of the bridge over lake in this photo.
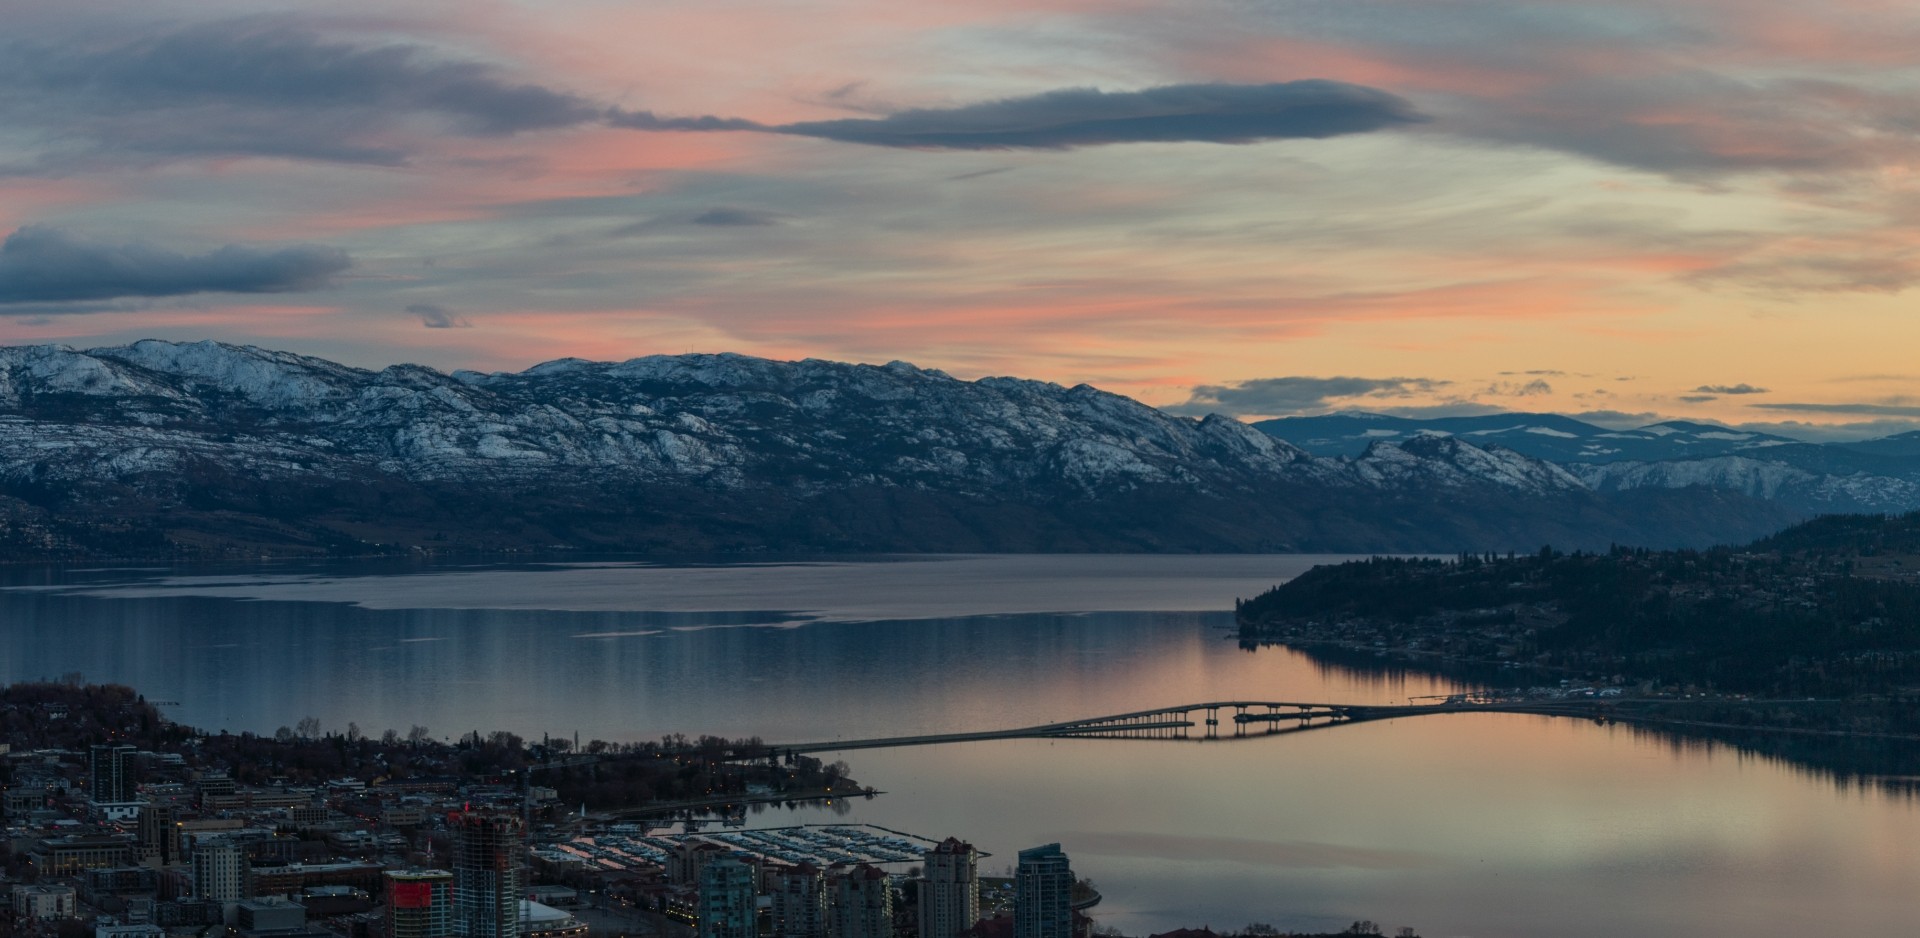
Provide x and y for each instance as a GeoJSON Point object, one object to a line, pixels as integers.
{"type": "Point", "coordinates": [1222, 719]}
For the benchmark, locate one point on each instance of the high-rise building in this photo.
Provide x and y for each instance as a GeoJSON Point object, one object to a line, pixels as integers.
{"type": "Point", "coordinates": [688, 858]}
{"type": "Point", "coordinates": [727, 899]}
{"type": "Point", "coordinates": [419, 904]}
{"type": "Point", "coordinates": [487, 848]}
{"type": "Point", "coordinates": [111, 775]}
{"type": "Point", "coordinates": [950, 890]}
{"type": "Point", "coordinates": [1043, 894]}
{"type": "Point", "coordinates": [160, 837]}
{"type": "Point", "coordinates": [799, 901]}
{"type": "Point", "coordinates": [860, 904]}
{"type": "Point", "coordinates": [219, 871]}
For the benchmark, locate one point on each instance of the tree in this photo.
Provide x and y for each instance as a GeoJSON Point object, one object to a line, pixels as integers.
{"type": "Point", "coordinates": [308, 727]}
{"type": "Point", "coordinates": [418, 735]}
{"type": "Point", "coordinates": [390, 738]}
{"type": "Point", "coordinates": [283, 734]}
{"type": "Point", "coordinates": [353, 732]}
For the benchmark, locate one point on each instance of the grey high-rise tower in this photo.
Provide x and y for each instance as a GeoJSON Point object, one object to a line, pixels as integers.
{"type": "Point", "coordinates": [111, 775]}
{"type": "Point", "coordinates": [486, 875]}
{"type": "Point", "coordinates": [1043, 894]}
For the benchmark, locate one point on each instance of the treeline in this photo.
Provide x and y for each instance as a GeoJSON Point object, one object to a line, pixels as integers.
{"type": "Point", "coordinates": [69, 715]}
{"type": "Point", "coordinates": [659, 776]}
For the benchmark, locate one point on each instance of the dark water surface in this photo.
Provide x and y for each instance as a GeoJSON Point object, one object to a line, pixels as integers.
{"type": "Point", "coordinates": [1487, 825]}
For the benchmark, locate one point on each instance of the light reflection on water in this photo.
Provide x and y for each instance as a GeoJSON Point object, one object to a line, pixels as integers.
{"type": "Point", "coordinates": [1483, 825]}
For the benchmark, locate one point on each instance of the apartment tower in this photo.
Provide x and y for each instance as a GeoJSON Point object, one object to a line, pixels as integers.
{"type": "Point", "coordinates": [949, 890]}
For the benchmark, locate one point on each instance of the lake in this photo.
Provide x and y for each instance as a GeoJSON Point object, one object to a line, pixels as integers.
{"type": "Point", "coordinates": [1481, 825]}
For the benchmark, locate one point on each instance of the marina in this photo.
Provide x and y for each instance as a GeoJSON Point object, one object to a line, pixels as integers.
{"type": "Point", "coordinates": [634, 847]}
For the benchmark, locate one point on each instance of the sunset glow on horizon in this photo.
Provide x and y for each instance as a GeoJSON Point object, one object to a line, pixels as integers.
{"type": "Point", "coordinates": [1623, 209]}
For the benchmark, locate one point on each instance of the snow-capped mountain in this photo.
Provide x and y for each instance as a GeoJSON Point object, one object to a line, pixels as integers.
{"type": "Point", "coordinates": [723, 421]}
{"type": "Point", "coordinates": [187, 444]}
{"type": "Point", "coordinates": [1772, 480]}
{"type": "Point", "coordinates": [1872, 476]}
{"type": "Point", "coordinates": [1429, 458]}
{"type": "Point", "coordinates": [1543, 436]}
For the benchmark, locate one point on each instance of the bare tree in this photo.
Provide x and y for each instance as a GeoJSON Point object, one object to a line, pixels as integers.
{"type": "Point", "coordinates": [308, 727]}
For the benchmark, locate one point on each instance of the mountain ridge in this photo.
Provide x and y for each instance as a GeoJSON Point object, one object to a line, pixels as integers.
{"type": "Point", "coordinates": [213, 449]}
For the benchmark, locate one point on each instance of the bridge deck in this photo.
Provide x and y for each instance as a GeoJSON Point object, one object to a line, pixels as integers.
{"type": "Point", "coordinates": [1180, 722]}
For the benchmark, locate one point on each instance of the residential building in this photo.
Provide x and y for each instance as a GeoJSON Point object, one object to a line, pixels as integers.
{"type": "Point", "coordinates": [949, 890]}
{"type": "Point", "coordinates": [860, 904]}
{"type": "Point", "coordinates": [1043, 894]}
{"type": "Point", "coordinates": [220, 871]}
{"type": "Point", "coordinates": [688, 858]}
{"type": "Point", "coordinates": [727, 899]}
{"type": "Point", "coordinates": [44, 902]}
{"type": "Point", "coordinates": [111, 774]}
{"type": "Point", "coordinates": [419, 904]}
{"type": "Point", "coordinates": [160, 836]}
{"type": "Point", "coordinates": [799, 901]}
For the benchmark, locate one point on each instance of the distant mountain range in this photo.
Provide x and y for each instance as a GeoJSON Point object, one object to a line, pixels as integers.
{"type": "Point", "coordinates": [1881, 475]}
{"type": "Point", "coordinates": [212, 450]}
{"type": "Point", "coordinates": [1542, 436]}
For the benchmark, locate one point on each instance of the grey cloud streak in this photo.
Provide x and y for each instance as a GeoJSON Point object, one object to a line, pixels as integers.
{"type": "Point", "coordinates": [1873, 410]}
{"type": "Point", "coordinates": [1079, 117]}
{"type": "Point", "coordinates": [1294, 395]}
{"type": "Point", "coordinates": [265, 88]}
{"type": "Point", "coordinates": [270, 90]}
{"type": "Point", "coordinates": [729, 217]}
{"type": "Point", "coordinates": [46, 265]}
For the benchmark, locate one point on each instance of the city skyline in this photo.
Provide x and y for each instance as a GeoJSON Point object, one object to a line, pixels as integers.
{"type": "Point", "coordinates": [1622, 209]}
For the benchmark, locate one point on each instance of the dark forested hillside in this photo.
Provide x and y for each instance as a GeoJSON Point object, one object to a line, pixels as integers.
{"type": "Point", "coordinates": [1830, 608]}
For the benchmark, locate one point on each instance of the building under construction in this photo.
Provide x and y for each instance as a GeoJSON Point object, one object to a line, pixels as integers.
{"type": "Point", "coordinates": [487, 849]}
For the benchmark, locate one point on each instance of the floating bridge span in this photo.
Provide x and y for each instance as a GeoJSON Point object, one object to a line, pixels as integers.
{"type": "Point", "coordinates": [1225, 719]}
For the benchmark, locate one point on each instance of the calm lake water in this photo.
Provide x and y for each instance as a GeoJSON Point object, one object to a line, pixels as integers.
{"type": "Point", "coordinates": [1492, 826]}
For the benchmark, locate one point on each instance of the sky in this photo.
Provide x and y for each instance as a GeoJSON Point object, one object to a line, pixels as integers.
{"type": "Point", "coordinates": [1631, 210]}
